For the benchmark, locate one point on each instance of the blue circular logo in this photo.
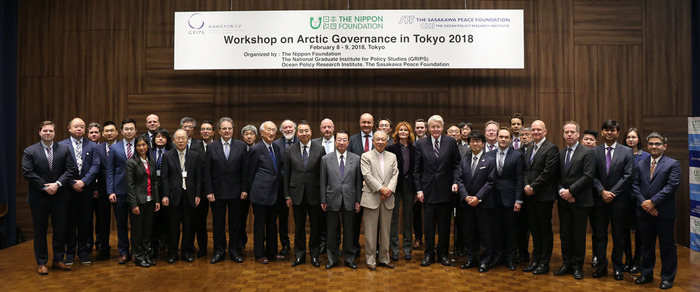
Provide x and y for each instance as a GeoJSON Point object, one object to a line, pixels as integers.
{"type": "Point", "coordinates": [196, 21]}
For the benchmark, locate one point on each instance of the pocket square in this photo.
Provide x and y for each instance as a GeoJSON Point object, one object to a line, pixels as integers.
{"type": "Point", "coordinates": [482, 167]}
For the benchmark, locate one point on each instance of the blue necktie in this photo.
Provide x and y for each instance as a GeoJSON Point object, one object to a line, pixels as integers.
{"type": "Point", "coordinates": [272, 155]}
{"type": "Point", "coordinates": [160, 158]}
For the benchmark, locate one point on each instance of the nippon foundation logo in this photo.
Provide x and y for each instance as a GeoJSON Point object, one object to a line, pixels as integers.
{"type": "Point", "coordinates": [315, 23]}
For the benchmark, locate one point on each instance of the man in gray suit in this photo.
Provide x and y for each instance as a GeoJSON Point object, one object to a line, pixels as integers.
{"type": "Point", "coordinates": [341, 182]}
{"type": "Point", "coordinates": [381, 173]}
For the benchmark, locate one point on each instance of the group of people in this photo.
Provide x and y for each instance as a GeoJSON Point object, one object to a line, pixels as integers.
{"type": "Point", "coordinates": [500, 186]}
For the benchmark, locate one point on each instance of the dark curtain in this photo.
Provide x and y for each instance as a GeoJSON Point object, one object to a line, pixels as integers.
{"type": "Point", "coordinates": [8, 117]}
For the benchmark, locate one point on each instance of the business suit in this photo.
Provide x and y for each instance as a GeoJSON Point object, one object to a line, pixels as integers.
{"type": "Point", "coordinates": [281, 206]}
{"type": "Point", "coordinates": [477, 220]}
{"type": "Point", "coordinates": [376, 210]}
{"type": "Point", "coordinates": [434, 176]}
{"type": "Point", "coordinates": [117, 184]}
{"type": "Point", "coordinates": [523, 225]}
{"type": "Point", "coordinates": [328, 147]}
{"type": "Point", "coordinates": [36, 170]}
{"type": "Point", "coordinates": [301, 185]}
{"type": "Point", "coordinates": [80, 209]}
{"type": "Point", "coordinates": [357, 145]}
{"type": "Point", "coordinates": [464, 150]}
{"type": "Point", "coordinates": [142, 193]}
{"type": "Point", "coordinates": [264, 179]}
{"type": "Point", "coordinates": [405, 193]}
{"type": "Point", "coordinates": [161, 219]}
{"type": "Point", "coordinates": [181, 198]}
{"type": "Point", "coordinates": [542, 174]}
{"type": "Point", "coordinates": [508, 190]}
{"type": "Point", "coordinates": [340, 192]}
{"type": "Point", "coordinates": [201, 212]}
{"type": "Point", "coordinates": [618, 180]}
{"type": "Point", "coordinates": [224, 177]}
{"type": "Point", "coordinates": [577, 177]}
{"type": "Point", "coordinates": [103, 212]}
{"type": "Point", "coordinates": [661, 189]}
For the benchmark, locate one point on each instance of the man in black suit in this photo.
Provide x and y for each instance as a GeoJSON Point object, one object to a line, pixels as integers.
{"type": "Point", "coordinates": [437, 161]}
{"type": "Point", "coordinates": [656, 180]}
{"type": "Point", "coordinates": [87, 164]}
{"type": "Point", "coordinates": [103, 213]}
{"type": "Point", "coordinates": [188, 124]}
{"type": "Point", "coordinates": [522, 217]}
{"type": "Point", "coordinates": [249, 134]}
{"type": "Point", "coordinates": [420, 131]}
{"type": "Point", "coordinates": [224, 168]}
{"type": "Point", "coordinates": [201, 212]}
{"type": "Point", "coordinates": [49, 169]}
{"type": "Point", "coordinates": [288, 129]}
{"type": "Point", "coordinates": [508, 192]}
{"type": "Point", "coordinates": [541, 186]}
{"type": "Point", "coordinates": [577, 168]}
{"type": "Point", "coordinates": [361, 143]}
{"type": "Point", "coordinates": [302, 164]}
{"type": "Point", "coordinates": [181, 172]}
{"type": "Point", "coordinates": [516, 124]}
{"type": "Point", "coordinates": [263, 183]}
{"type": "Point", "coordinates": [476, 177]}
{"type": "Point", "coordinates": [152, 124]}
{"type": "Point", "coordinates": [612, 183]}
{"type": "Point", "coordinates": [491, 134]}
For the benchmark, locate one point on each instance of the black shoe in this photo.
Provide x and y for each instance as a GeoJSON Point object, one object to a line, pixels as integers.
{"type": "Point", "coordinates": [618, 275]}
{"type": "Point", "coordinates": [531, 267]}
{"type": "Point", "coordinates": [351, 265]}
{"type": "Point", "coordinates": [562, 271]}
{"type": "Point", "coordinates": [511, 266]}
{"type": "Point", "coordinates": [666, 284]}
{"type": "Point", "coordinates": [331, 265]}
{"type": "Point", "coordinates": [237, 258]}
{"type": "Point", "coordinates": [151, 262]}
{"type": "Point", "coordinates": [201, 253]}
{"type": "Point", "coordinates": [297, 261]}
{"type": "Point", "coordinates": [427, 261]}
{"type": "Point", "coordinates": [395, 257]}
{"type": "Point", "coordinates": [483, 268]}
{"type": "Point", "coordinates": [188, 258]}
{"type": "Point", "coordinates": [142, 264]}
{"type": "Point", "coordinates": [172, 259]}
{"type": "Point", "coordinates": [600, 271]}
{"type": "Point", "coordinates": [627, 266]}
{"type": "Point", "coordinates": [644, 280]}
{"type": "Point", "coordinates": [217, 258]}
{"type": "Point", "coordinates": [315, 262]}
{"type": "Point", "coordinates": [578, 273]}
{"type": "Point", "coordinates": [634, 269]}
{"type": "Point", "coordinates": [594, 263]}
{"type": "Point", "coordinates": [285, 250]}
{"type": "Point", "coordinates": [445, 261]}
{"type": "Point", "coordinates": [541, 269]}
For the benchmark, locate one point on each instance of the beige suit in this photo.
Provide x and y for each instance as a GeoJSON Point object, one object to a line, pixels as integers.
{"type": "Point", "coordinates": [376, 210]}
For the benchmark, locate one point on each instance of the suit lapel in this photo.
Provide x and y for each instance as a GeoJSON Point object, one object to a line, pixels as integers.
{"type": "Point", "coordinates": [659, 165]}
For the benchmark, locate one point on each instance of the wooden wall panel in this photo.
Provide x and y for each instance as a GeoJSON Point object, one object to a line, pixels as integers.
{"type": "Point", "coordinates": [554, 39]}
{"type": "Point", "coordinates": [608, 23]}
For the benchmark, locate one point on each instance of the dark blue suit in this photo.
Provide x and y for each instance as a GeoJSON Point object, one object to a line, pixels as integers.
{"type": "Point", "coordinates": [80, 210]}
{"type": "Point", "coordinates": [508, 189]}
{"type": "Point", "coordinates": [117, 184]}
{"type": "Point", "coordinates": [35, 167]}
{"type": "Point", "coordinates": [103, 213]}
{"type": "Point", "coordinates": [264, 182]}
{"type": "Point", "coordinates": [661, 190]}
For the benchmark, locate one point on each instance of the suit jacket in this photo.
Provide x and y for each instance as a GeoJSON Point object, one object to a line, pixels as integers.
{"type": "Point", "coordinates": [148, 140]}
{"type": "Point", "coordinates": [542, 174]}
{"type": "Point", "coordinates": [91, 163]}
{"type": "Point", "coordinates": [336, 188]}
{"type": "Point", "coordinates": [171, 174]}
{"type": "Point", "coordinates": [434, 176]}
{"type": "Point", "coordinates": [137, 180]}
{"type": "Point", "coordinates": [618, 180]}
{"type": "Point", "coordinates": [463, 149]}
{"type": "Point", "coordinates": [225, 177]}
{"type": "Point", "coordinates": [319, 141]}
{"type": "Point", "coordinates": [509, 183]}
{"type": "Point", "coordinates": [660, 188]}
{"type": "Point", "coordinates": [282, 144]}
{"type": "Point", "coordinates": [198, 147]}
{"type": "Point", "coordinates": [404, 177]}
{"type": "Point", "coordinates": [375, 178]}
{"type": "Point", "coordinates": [480, 183]}
{"type": "Point", "coordinates": [300, 181]}
{"type": "Point", "coordinates": [105, 164]}
{"type": "Point", "coordinates": [578, 177]}
{"type": "Point", "coordinates": [116, 174]}
{"type": "Point", "coordinates": [35, 167]}
{"type": "Point", "coordinates": [264, 178]}
{"type": "Point", "coordinates": [357, 145]}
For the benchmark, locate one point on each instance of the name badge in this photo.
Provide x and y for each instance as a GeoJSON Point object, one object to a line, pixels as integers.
{"type": "Point", "coordinates": [158, 172]}
{"type": "Point", "coordinates": [184, 173]}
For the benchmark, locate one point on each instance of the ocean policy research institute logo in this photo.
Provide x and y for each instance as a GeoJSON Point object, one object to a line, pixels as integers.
{"type": "Point", "coordinates": [196, 23]}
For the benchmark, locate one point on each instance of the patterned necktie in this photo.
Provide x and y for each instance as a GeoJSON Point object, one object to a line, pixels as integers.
{"type": "Point", "coordinates": [653, 167]}
{"type": "Point", "coordinates": [305, 157]}
{"type": "Point", "coordinates": [475, 161]}
{"type": "Point", "coordinates": [436, 148]}
{"type": "Point", "coordinates": [342, 165]}
{"type": "Point", "coordinates": [49, 156]}
{"type": "Point", "coordinates": [160, 158]}
{"type": "Point", "coordinates": [272, 155]}
{"type": "Point", "coordinates": [608, 159]}
{"type": "Point", "coordinates": [227, 150]}
{"type": "Point", "coordinates": [516, 143]}
{"type": "Point", "coordinates": [501, 158]}
{"type": "Point", "coordinates": [534, 151]}
{"type": "Point", "coordinates": [567, 162]}
{"type": "Point", "coordinates": [128, 151]}
{"type": "Point", "coordinates": [366, 142]}
{"type": "Point", "coordinates": [182, 167]}
{"type": "Point", "coordinates": [491, 147]}
{"type": "Point", "coordinates": [79, 155]}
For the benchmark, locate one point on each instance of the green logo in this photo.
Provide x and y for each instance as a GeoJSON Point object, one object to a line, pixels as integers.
{"type": "Point", "coordinates": [315, 23]}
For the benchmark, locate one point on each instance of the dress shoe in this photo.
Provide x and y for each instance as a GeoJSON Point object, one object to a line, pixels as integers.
{"type": "Point", "coordinates": [237, 258]}
{"type": "Point", "coordinates": [124, 259]}
{"type": "Point", "coordinates": [372, 267]}
{"type": "Point", "coordinates": [627, 265]}
{"type": "Point", "coordinates": [351, 265]}
{"type": "Point", "coordinates": [634, 269]}
{"type": "Point", "coordinates": [85, 260]}
{"type": "Point", "coordinates": [427, 260]}
{"type": "Point", "coordinates": [407, 257]}
{"type": "Point", "coordinates": [618, 275]}
{"type": "Point", "coordinates": [666, 284]}
{"type": "Point", "coordinates": [201, 253]}
{"type": "Point", "coordinates": [42, 270]}
{"type": "Point", "coordinates": [188, 258]}
{"type": "Point", "coordinates": [511, 266]}
{"type": "Point", "coordinates": [600, 271]}
{"type": "Point", "coordinates": [417, 243]}
{"type": "Point", "coordinates": [386, 265]}
{"type": "Point", "coordinates": [541, 269]}
{"type": "Point", "coordinates": [562, 271]}
{"type": "Point", "coordinates": [594, 262]}
{"type": "Point", "coordinates": [102, 256]}
{"type": "Point", "coordinates": [68, 262]}
{"type": "Point", "coordinates": [578, 273]}
{"type": "Point", "coordinates": [263, 261]}
{"type": "Point", "coordinates": [468, 265]}
{"type": "Point", "coordinates": [483, 268]}
{"type": "Point", "coordinates": [445, 261]}
{"type": "Point", "coordinates": [331, 265]}
{"type": "Point", "coordinates": [531, 267]}
{"type": "Point", "coordinates": [644, 280]}
{"type": "Point", "coordinates": [395, 257]}
{"type": "Point", "coordinates": [150, 261]}
{"type": "Point", "coordinates": [142, 264]}
{"type": "Point", "coordinates": [60, 266]}
{"type": "Point", "coordinates": [297, 261]}
{"type": "Point", "coordinates": [278, 257]}
{"type": "Point", "coordinates": [315, 262]}
{"type": "Point", "coordinates": [172, 259]}
{"type": "Point", "coordinates": [285, 250]}
{"type": "Point", "coordinates": [217, 258]}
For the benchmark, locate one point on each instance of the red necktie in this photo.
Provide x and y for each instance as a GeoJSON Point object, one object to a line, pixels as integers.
{"type": "Point", "coordinates": [366, 142]}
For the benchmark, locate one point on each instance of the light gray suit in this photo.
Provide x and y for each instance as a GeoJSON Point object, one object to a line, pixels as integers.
{"type": "Point", "coordinates": [376, 210]}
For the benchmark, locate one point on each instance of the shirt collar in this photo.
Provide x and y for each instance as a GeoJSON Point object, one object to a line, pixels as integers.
{"type": "Point", "coordinates": [224, 141]}
{"type": "Point", "coordinates": [539, 144]}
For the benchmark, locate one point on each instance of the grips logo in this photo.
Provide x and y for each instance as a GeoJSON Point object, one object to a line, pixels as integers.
{"type": "Point", "coordinates": [196, 21]}
{"type": "Point", "coordinates": [315, 23]}
{"type": "Point", "coordinates": [407, 19]}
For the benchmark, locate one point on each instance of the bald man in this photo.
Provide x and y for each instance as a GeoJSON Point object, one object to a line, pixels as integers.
{"type": "Point", "coordinates": [152, 123]}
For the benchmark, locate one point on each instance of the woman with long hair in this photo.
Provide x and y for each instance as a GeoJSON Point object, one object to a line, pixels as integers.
{"type": "Point", "coordinates": [143, 199]}
{"type": "Point", "coordinates": [405, 190]}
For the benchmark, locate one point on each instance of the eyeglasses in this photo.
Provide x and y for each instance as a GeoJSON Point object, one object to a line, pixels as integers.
{"type": "Point", "coordinates": [655, 144]}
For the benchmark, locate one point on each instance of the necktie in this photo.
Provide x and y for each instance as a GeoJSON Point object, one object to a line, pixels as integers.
{"type": "Point", "coordinates": [653, 167]}
{"type": "Point", "coordinates": [328, 149]}
{"type": "Point", "coordinates": [128, 151]}
{"type": "Point", "coordinates": [107, 147]}
{"type": "Point", "coordinates": [491, 147]}
{"type": "Point", "coordinates": [608, 159]}
{"type": "Point", "coordinates": [79, 155]}
{"type": "Point", "coordinates": [159, 158]}
{"type": "Point", "coordinates": [49, 156]}
{"type": "Point", "coordinates": [305, 157]}
{"type": "Point", "coordinates": [516, 143]}
{"type": "Point", "coordinates": [501, 158]}
{"type": "Point", "coordinates": [226, 150]}
{"type": "Point", "coordinates": [182, 167]}
{"type": "Point", "coordinates": [534, 151]}
{"type": "Point", "coordinates": [366, 142]}
{"type": "Point", "coordinates": [436, 149]}
{"type": "Point", "coordinates": [342, 165]}
{"type": "Point", "coordinates": [568, 158]}
{"type": "Point", "coordinates": [272, 155]}
{"type": "Point", "coordinates": [475, 161]}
